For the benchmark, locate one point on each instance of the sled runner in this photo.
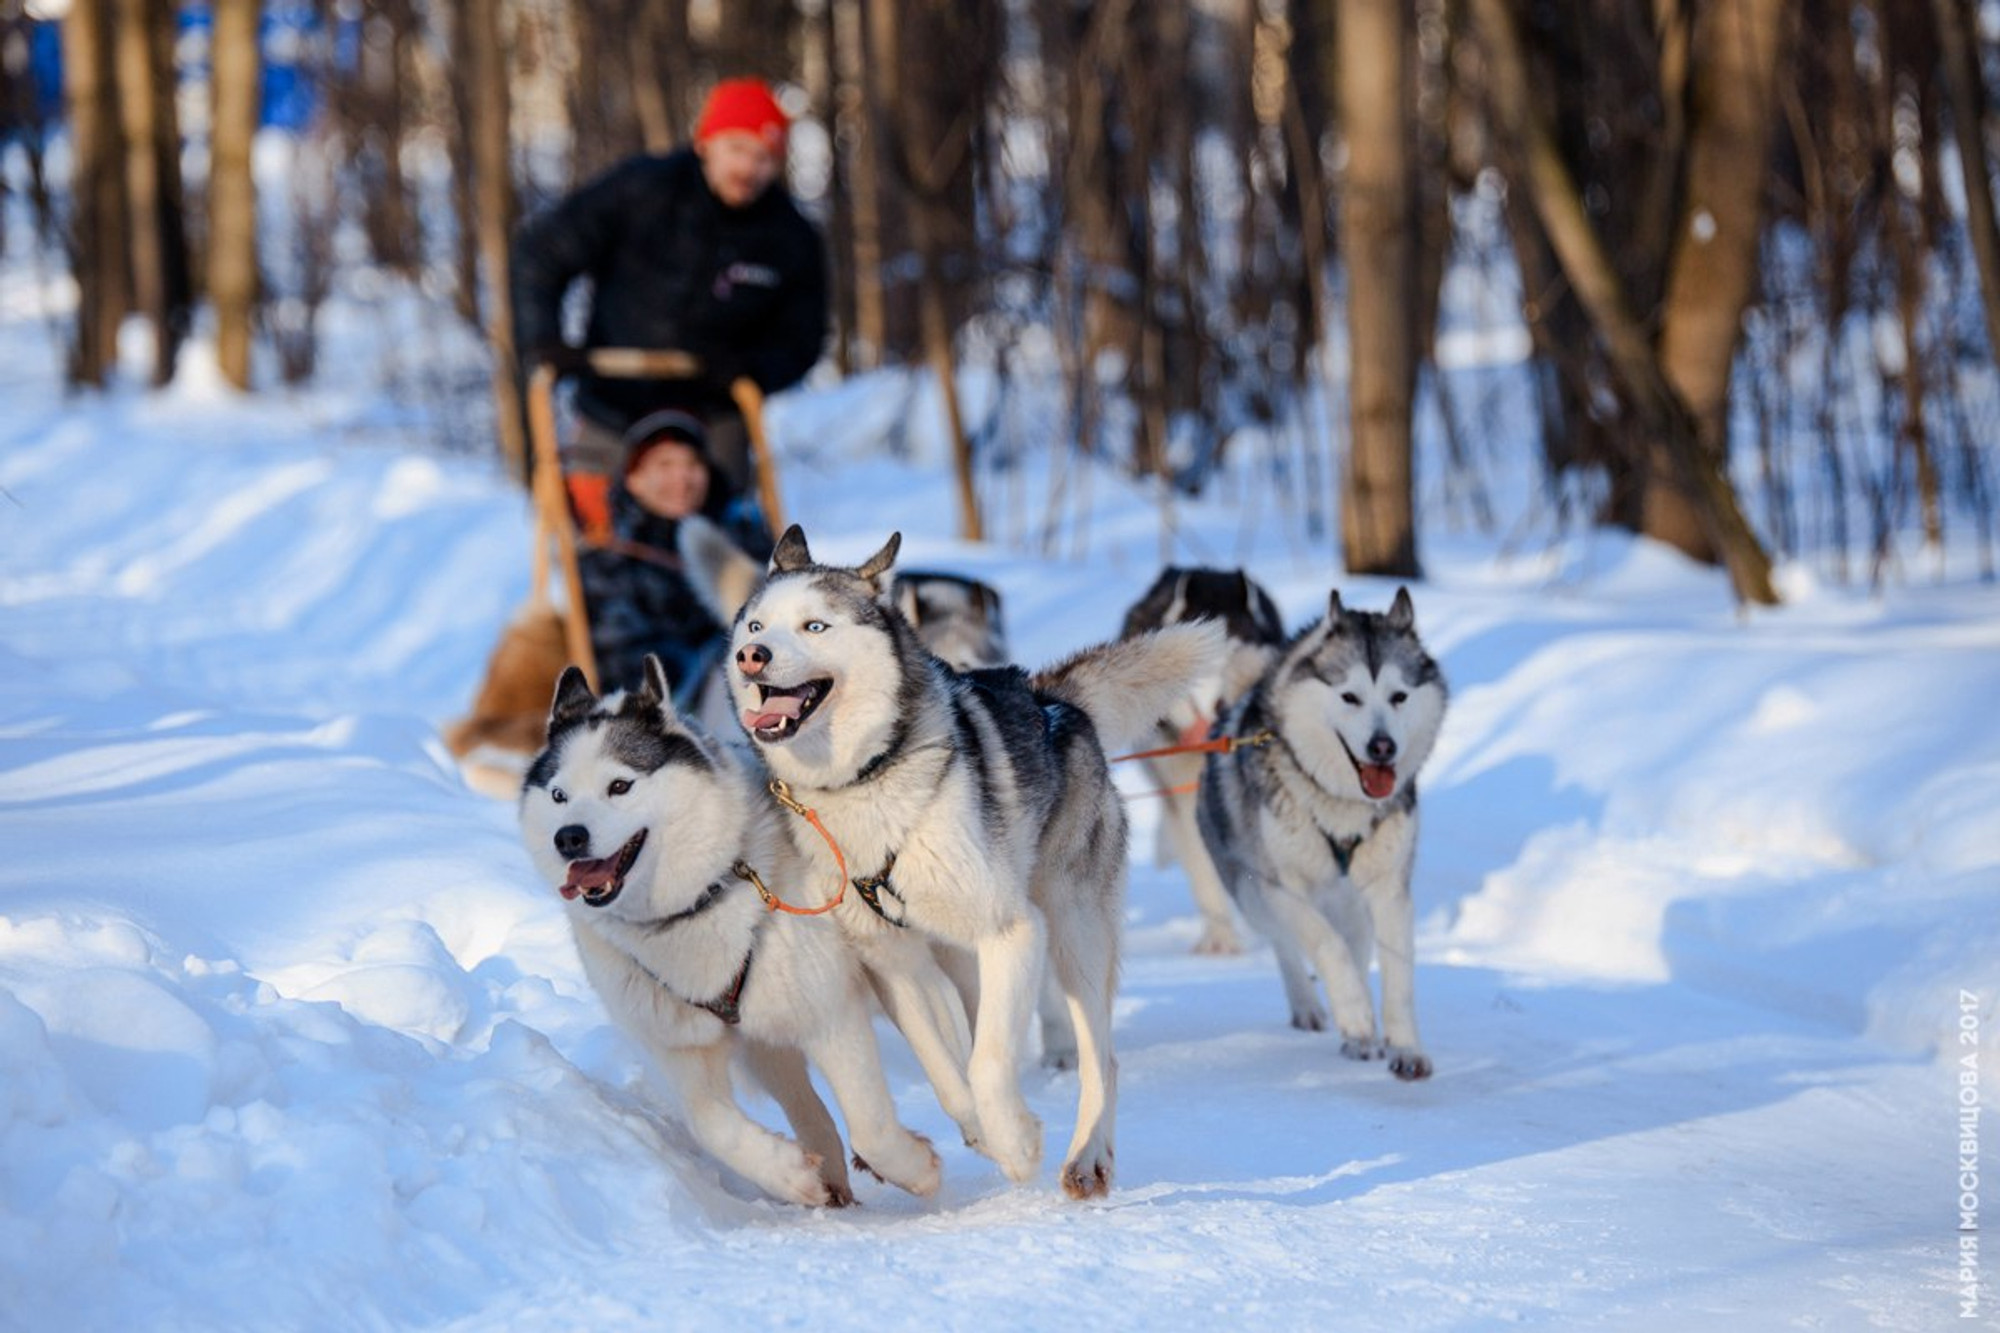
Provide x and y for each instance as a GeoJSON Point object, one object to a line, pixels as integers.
{"type": "Point", "coordinates": [508, 721]}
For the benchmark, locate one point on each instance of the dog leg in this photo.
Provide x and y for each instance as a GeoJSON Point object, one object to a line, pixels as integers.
{"type": "Point", "coordinates": [1010, 964]}
{"type": "Point", "coordinates": [921, 1002]}
{"type": "Point", "coordinates": [1301, 995]}
{"type": "Point", "coordinates": [1346, 984]}
{"type": "Point", "coordinates": [769, 1161]}
{"type": "Point", "coordinates": [781, 1071]}
{"type": "Point", "coordinates": [846, 1053]}
{"type": "Point", "coordinates": [1087, 1167]}
{"type": "Point", "coordinates": [1058, 1028]}
{"type": "Point", "coordinates": [1394, 914]}
{"type": "Point", "coordinates": [1211, 899]}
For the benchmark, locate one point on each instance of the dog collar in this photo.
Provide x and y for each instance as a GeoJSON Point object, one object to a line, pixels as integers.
{"type": "Point", "coordinates": [710, 896]}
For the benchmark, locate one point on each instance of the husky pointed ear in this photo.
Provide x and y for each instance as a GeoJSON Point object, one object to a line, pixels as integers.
{"type": "Point", "coordinates": [654, 692]}
{"type": "Point", "coordinates": [791, 553]}
{"type": "Point", "coordinates": [1402, 612]}
{"type": "Point", "coordinates": [878, 564]}
{"type": "Point", "coordinates": [573, 700]}
{"type": "Point", "coordinates": [1335, 612]}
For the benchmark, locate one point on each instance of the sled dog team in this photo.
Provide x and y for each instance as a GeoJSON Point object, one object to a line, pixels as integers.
{"type": "Point", "coordinates": [907, 823]}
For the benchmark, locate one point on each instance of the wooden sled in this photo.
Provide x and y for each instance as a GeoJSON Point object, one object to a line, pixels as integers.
{"type": "Point", "coordinates": [508, 723]}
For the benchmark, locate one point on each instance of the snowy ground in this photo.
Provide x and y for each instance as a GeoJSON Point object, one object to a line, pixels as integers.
{"type": "Point", "coordinates": [290, 1038]}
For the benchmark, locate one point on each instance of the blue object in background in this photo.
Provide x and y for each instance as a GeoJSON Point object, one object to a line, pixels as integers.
{"type": "Point", "coordinates": [287, 34]}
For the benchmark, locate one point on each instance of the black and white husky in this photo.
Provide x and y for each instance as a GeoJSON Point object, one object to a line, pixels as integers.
{"type": "Point", "coordinates": [659, 840]}
{"type": "Point", "coordinates": [972, 807]}
{"type": "Point", "coordinates": [1255, 630]}
{"type": "Point", "coordinates": [1312, 820]}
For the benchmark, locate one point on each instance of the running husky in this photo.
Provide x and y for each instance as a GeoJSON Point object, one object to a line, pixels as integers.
{"type": "Point", "coordinates": [1312, 820]}
{"type": "Point", "coordinates": [1251, 619]}
{"type": "Point", "coordinates": [659, 841]}
{"type": "Point", "coordinates": [973, 807]}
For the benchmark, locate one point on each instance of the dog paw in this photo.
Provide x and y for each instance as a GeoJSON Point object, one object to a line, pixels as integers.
{"type": "Point", "coordinates": [1410, 1066]}
{"type": "Point", "coordinates": [1218, 942]}
{"type": "Point", "coordinates": [1087, 1180]}
{"type": "Point", "coordinates": [799, 1181]}
{"type": "Point", "coordinates": [1309, 1020]}
{"type": "Point", "coordinates": [913, 1166]}
{"type": "Point", "coordinates": [1059, 1060]}
{"type": "Point", "coordinates": [1016, 1144]}
{"type": "Point", "coordinates": [1361, 1048]}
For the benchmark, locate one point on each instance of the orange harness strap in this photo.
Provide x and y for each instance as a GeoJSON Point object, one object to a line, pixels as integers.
{"type": "Point", "coordinates": [772, 901]}
{"type": "Point", "coordinates": [1219, 745]}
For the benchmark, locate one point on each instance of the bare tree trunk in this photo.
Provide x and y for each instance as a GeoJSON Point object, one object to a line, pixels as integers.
{"type": "Point", "coordinates": [99, 191]}
{"type": "Point", "coordinates": [232, 193]}
{"type": "Point", "coordinates": [492, 159]}
{"type": "Point", "coordinates": [1712, 275]}
{"type": "Point", "coordinates": [1968, 110]}
{"type": "Point", "coordinates": [652, 90]}
{"type": "Point", "coordinates": [464, 197]}
{"type": "Point", "coordinates": [862, 111]}
{"type": "Point", "coordinates": [1575, 242]}
{"type": "Point", "coordinates": [928, 126]}
{"type": "Point", "coordinates": [146, 194]}
{"type": "Point", "coordinates": [1378, 521]}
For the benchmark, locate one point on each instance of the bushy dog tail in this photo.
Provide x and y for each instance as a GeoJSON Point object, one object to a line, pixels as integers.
{"type": "Point", "coordinates": [722, 576]}
{"type": "Point", "coordinates": [1129, 686]}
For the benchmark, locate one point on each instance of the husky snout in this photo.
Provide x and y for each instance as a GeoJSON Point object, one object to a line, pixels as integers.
{"type": "Point", "coordinates": [572, 841]}
{"type": "Point", "coordinates": [752, 658]}
{"type": "Point", "coordinates": [1381, 748]}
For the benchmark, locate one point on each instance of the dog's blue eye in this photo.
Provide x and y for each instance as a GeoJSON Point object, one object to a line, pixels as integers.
{"type": "Point", "coordinates": [1351, 699]}
{"type": "Point", "coordinates": [755, 627]}
{"type": "Point", "coordinates": [619, 786]}
{"type": "Point", "coordinates": [558, 795]}
{"type": "Point", "coordinates": [816, 627]}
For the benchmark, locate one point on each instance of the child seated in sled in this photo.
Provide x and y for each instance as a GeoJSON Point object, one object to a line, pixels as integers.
{"type": "Point", "coordinates": [638, 596]}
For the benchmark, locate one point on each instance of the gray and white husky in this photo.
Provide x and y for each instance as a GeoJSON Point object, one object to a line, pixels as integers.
{"type": "Point", "coordinates": [972, 807]}
{"type": "Point", "coordinates": [1312, 820]}
{"type": "Point", "coordinates": [659, 840]}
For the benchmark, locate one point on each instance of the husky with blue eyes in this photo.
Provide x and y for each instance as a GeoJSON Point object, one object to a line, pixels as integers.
{"type": "Point", "coordinates": [664, 847]}
{"type": "Point", "coordinates": [1312, 819]}
{"type": "Point", "coordinates": [970, 807]}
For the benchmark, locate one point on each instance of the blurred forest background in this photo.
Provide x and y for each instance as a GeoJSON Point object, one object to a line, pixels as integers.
{"type": "Point", "coordinates": [1750, 244]}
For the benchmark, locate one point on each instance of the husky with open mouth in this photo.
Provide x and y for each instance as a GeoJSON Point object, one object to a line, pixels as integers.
{"type": "Point", "coordinates": [1312, 819]}
{"type": "Point", "coordinates": [973, 807]}
{"type": "Point", "coordinates": [662, 844]}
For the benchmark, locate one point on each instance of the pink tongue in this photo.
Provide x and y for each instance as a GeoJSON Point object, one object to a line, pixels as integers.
{"type": "Point", "coordinates": [585, 875]}
{"type": "Point", "coordinates": [1378, 780]}
{"type": "Point", "coordinates": [776, 709]}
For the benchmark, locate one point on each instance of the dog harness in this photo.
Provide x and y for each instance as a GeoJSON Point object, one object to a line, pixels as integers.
{"type": "Point", "coordinates": [710, 896]}
{"type": "Point", "coordinates": [727, 1006]}
{"type": "Point", "coordinates": [872, 887]}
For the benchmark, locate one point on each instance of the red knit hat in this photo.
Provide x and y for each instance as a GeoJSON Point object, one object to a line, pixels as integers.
{"type": "Point", "coordinates": [743, 104]}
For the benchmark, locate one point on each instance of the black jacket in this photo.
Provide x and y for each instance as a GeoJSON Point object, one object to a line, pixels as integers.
{"type": "Point", "coordinates": [672, 267]}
